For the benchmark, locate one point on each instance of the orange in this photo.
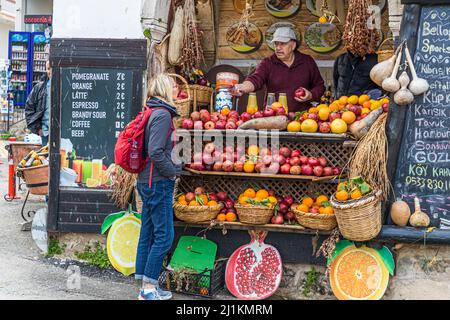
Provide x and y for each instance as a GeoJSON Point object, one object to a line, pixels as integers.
{"type": "Point", "coordinates": [375, 105]}
{"type": "Point", "coordinates": [334, 107]}
{"type": "Point", "coordinates": [221, 217]}
{"type": "Point", "coordinates": [250, 193]}
{"type": "Point", "coordinates": [384, 100]}
{"type": "Point", "coordinates": [324, 114]}
{"type": "Point", "coordinates": [231, 217]}
{"type": "Point", "coordinates": [262, 194]}
{"type": "Point", "coordinates": [356, 194]}
{"type": "Point", "coordinates": [204, 199]}
{"type": "Point", "coordinates": [321, 198]}
{"type": "Point", "coordinates": [303, 208]}
{"type": "Point", "coordinates": [249, 166]}
{"type": "Point", "coordinates": [253, 150]}
{"type": "Point", "coordinates": [194, 203]}
{"type": "Point", "coordinates": [273, 200]}
{"type": "Point", "coordinates": [308, 201]}
{"type": "Point", "coordinates": [294, 126]}
{"type": "Point", "coordinates": [349, 117]}
{"type": "Point", "coordinates": [183, 202]}
{"type": "Point", "coordinates": [243, 200]}
{"type": "Point", "coordinates": [341, 186]}
{"type": "Point", "coordinates": [342, 195]}
{"type": "Point", "coordinates": [322, 210]}
{"type": "Point", "coordinates": [328, 210]}
{"type": "Point", "coordinates": [313, 110]}
{"type": "Point", "coordinates": [323, 20]}
{"type": "Point", "coordinates": [258, 199]}
{"type": "Point", "coordinates": [359, 274]}
{"type": "Point", "coordinates": [212, 203]}
{"type": "Point", "coordinates": [343, 100]}
{"type": "Point", "coordinates": [338, 126]}
{"type": "Point", "coordinates": [366, 105]}
{"type": "Point", "coordinates": [363, 99]}
{"type": "Point", "coordinates": [252, 110]}
{"type": "Point", "coordinates": [309, 125]}
{"type": "Point", "coordinates": [225, 111]}
{"type": "Point", "coordinates": [353, 100]}
{"type": "Point", "coordinates": [321, 106]}
{"type": "Point", "coordinates": [276, 105]}
{"type": "Point", "coordinates": [182, 198]}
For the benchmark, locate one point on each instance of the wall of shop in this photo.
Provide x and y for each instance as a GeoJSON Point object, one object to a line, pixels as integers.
{"type": "Point", "coordinates": [7, 14]}
{"type": "Point", "coordinates": [117, 19]}
{"type": "Point", "coordinates": [4, 32]}
{"type": "Point", "coordinates": [26, 7]}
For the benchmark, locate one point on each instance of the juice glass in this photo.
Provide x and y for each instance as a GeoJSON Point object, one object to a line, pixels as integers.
{"type": "Point", "coordinates": [97, 168]}
{"type": "Point", "coordinates": [78, 167]}
{"type": "Point", "coordinates": [283, 100]}
{"type": "Point", "coordinates": [87, 170]}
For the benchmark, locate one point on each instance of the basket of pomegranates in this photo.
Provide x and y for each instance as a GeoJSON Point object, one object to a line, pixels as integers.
{"type": "Point", "coordinates": [196, 207]}
{"type": "Point", "coordinates": [315, 213]}
{"type": "Point", "coordinates": [255, 207]}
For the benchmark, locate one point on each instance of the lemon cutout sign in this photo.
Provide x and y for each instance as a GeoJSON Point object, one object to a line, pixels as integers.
{"type": "Point", "coordinates": [360, 273]}
{"type": "Point", "coordinates": [122, 241]}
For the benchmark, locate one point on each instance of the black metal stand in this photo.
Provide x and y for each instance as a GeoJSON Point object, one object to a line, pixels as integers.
{"type": "Point", "coordinates": [29, 213]}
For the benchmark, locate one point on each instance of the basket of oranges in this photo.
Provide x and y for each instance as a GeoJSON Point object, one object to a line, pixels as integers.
{"type": "Point", "coordinates": [315, 213]}
{"type": "Point", "coordinates": [358, 210]}
{"type": "Point", "coordinates": [196, 207]}
{"type": "Point", "coordinates": [255, 207]}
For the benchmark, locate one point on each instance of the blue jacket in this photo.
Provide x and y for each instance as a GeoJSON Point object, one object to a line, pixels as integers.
{"type": "Point", "coordinates": [158, 142]}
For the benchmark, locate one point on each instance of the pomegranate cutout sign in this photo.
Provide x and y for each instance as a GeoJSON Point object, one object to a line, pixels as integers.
{"type": "Point", "coordinates": [254, 270]}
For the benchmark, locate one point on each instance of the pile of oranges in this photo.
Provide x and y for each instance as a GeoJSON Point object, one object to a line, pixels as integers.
{"type": "Point", "coordinates": [337, 116]}
{"type": "Point", "coordinates": [318, 205]}
{"type": "Point", "coordinates": [195, 200]}
{"type": "Point", "coordinates": [228, 216]}
{"type": "Point", "coordinates": [261, 197]}
{"type": "Point", "coordinates": [352, 189]}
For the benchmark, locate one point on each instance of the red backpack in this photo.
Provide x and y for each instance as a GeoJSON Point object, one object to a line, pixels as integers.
{"type": "Point", "coordinates": [129, 150]}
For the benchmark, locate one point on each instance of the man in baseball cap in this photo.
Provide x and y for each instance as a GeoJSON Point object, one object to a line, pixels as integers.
{"type": "Point", "coordinates": [286, 71]}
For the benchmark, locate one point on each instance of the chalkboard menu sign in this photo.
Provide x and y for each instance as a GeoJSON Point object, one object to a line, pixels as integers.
{"type": "Point", "coordinates": [424, 161]}
{"type": "Point", "coordinates": [95, 107]}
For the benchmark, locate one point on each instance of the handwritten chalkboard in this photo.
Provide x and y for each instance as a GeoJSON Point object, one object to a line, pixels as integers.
{"type": "Point", "coordinates": [95, 107]}
{"type": "Point", "coordinates": [424, 161]}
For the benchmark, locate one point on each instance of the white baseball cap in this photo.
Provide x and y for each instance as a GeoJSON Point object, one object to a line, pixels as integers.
{"type": "Point", "coordinates": [284, 34]}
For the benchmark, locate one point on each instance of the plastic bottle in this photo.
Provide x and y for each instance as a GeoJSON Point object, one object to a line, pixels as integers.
{"type": "Point", "coordinates": [252, 104]}
{"type": "Point", "coordinates": [282, 98]}
{"type": "Point", "coordinates": [270, 100]}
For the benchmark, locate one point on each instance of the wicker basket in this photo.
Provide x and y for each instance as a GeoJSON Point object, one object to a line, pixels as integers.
{"type": "Point", "coordinates": [315, 221]}
{"type": "Point", "coordinates": [199, 214]}
{"type": "Point", "coordinates": [358, 220]}
{"type": "Point", "coordinates": [36, 179]}
{"type": "Point", "coordinates": [254, 214]}
{"type": "Point", "coordinates": [183, 105]}
{"type": "Point", "coordinates": [385, 54]}
{"type": "Point", "coordinates": [198, 94]}
{"type": "Point", "coordinates": [20, 150]}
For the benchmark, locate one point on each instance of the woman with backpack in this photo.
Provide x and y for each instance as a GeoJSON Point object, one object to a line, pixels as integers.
{"type": "Point", "coordinates": [156, 186]}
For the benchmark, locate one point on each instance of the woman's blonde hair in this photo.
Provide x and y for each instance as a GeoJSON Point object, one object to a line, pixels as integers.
{"type": "Point", "coordinates": [161, 86]}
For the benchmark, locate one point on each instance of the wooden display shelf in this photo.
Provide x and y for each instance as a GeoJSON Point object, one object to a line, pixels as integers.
{"type": "Point", "coordinates": [332, 179]}
{"type": "Point", "coordinates": [284, 135]}
{"type": "Point", "coordinates": [242, 226]}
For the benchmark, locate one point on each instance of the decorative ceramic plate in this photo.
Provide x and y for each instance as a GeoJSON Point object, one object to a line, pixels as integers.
{"type": "Point", "coordinates": [323, 37]}
{"type": "Point", "coordinates": [245, 41]}
{"type": "Point", "coordinates": [283, 8]}
{"type": "Point", "coordinates": [271, 30]}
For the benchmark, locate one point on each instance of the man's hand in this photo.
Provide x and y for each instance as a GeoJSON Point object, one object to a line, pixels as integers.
{"type": "Point", "coordinates": [308, 96]}
{"type": "Point", "coordinates": [236, 90]}
{"type": "Point", "coordinates": [241, 88]}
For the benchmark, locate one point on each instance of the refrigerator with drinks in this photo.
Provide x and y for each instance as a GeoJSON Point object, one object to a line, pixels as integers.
{"type": "Point", "coordinates": [18, 55]}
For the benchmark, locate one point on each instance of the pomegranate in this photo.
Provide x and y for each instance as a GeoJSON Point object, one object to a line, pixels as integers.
{"type": "Point", "coordinates": [295, 170]}
{"type": "Point", "coordinates": [195, 116]}
{"type": "Point", "coordinates": [289, 200]}
{"type": "Point", "coordinates": [295, 161]}
{"type": "Point", "coordinates": [296, 153]}
{"type": "Point", "coordinates": [217, 166]}
{"type": "Point", "coordinates": [217, 155]}
{"type": "Point", "coordinates": [229, 203]}
{"type": "Point", "coordinates": [209, 148]}
{"type": "Point", "coordinates": [312, 161]}
{"type": "Point", "coordinates": [258, 114]}
{"type": "Point", "coordinates": [189, 196]}
{"type": "Point", "coordinates": [281, 111]}
{"type": "Point", "coordinates": [358, 110]}
{"type": "Point", "coordinates": [212, 196]}
{"type": "Point", "coordinates": [285, 168]}
{"type": "Point", "coordinates": [385, 107]}
{"type": "Point", "coordinates": [209, 125]}
{"type": "Point", "coordinates": [289, 215]}
{"type": "Point", "coordinates": [278, 158]}
{"type": "Point", "coordinates": [322, 161]}
{"type": "Point", "coordinates": [238, 166]}
{"type": "Point", "coordinates": [307, 170]}
{"type": "Point", "coordinates": [269, 113]}
{"type": "Point", "coordinates": [221, 125]}
{"type": "Point", "coordinates": [267, 159]}
{"type": "Point", "coordinates": [254, 270]}
{"type": "Point", "coordinates": [300, 93]}
{"type": "Point", "coordinates": [208, 159]}
{"type": "Point", "coordinates": [327, 171]}
{"type": "Point", "coordinates": [271, 193]}
{"type": "Point", "coordinates": [318, 171]}
{"type": "Point", "coordinates": [182, 95]}
{"type": "Point", "coordinates": [230, 125]}
{"type": "Point", "coordinates": [259, 165]}
{"type": "Point", "coordinates": [228, 166]}
{"type": "Point", "coordinates": [245, 116]}
{"type": "Point", "coordinates": [187, 124]}
{"type": "Point", "coordinates": [214, 118]}
{"type": "Point", "coordinates": [325, 127]}
{"type": "Point", "coordinates": [291, 116]}
{"type": "Point", "coordinates": [205, 116]}
{"type": "Point", "coordinates": [334, 116]}
{"type": "Point", "coordinates": [284, 207]}
{"type": "Point", "coordinates": [197, 166]}
{"type": "Point", "coordinates": [304, 160]}
{"type": "Point", "coordinates": [279, 198]}
{"type": "Point", "coordinates": [314, 210]}
{"type": "Point", "coordinates": [239, 123]}
{"type": "Point", "coordinates": [337, 171]}
{"type": "Point", "coordinates": [313, 116]}
{"type": "Point", "coordinates": [278, 219]}
{"type": "Point", "coordinates": [273, 168]}
{"type": "Point", "coordinates": [285, 152]}
{"type": "Point", "coordinates": [233, 114]}
{"type": "Point", "coordinates": [222, 196]}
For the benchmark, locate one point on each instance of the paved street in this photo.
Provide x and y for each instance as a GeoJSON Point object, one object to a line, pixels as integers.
{"type": "Point", "coordinates": [25, 274]}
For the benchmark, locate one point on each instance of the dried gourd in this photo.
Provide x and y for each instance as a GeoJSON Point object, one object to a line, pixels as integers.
{"type": "Point", "coordinates": [418, 218]}
{"type": "Point", "coordinates": [176, 38]}
{"type": "Point", "coordinates": [400, 213]}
